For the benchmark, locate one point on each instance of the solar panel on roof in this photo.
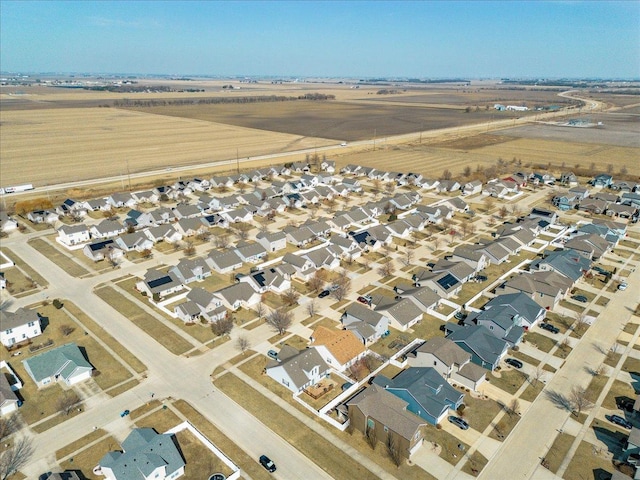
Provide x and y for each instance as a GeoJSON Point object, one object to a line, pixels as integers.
{"type": "Point", "coordinates": [160, 281]}
{"type": "Point", "coordinates": [447, 281]}
{"type": "Point", "coordinates": [100, 245]}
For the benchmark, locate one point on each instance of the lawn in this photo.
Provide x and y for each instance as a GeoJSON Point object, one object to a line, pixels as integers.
{"type": "Point", "coordinates": [78, 444]}
{"type": "Point", "coordinates": [155, 329]}
{"type": "Point", "coordinates": [89, 458]}
{"type": "Point", "coordinates": [479, 413]}
{"type": "Point", "coordinates": [428, 327]}
{"type": "Point", "coordinates": [29, 272]}
{"type": "Point", "coordinates": [200, 460]}
{"type": "Point", "coordinates": [541, 342]}
{"type": "Point", "coordinates": [502, 429]}
{"type": "Point", "coordinates": [475, 463]}
{"type": "Point", "coordinates": [618, 389]}
{"type": "Point", "coordinates": [389, 345]}
{"type": "Point", "coordinates": [532, 391]}
{"type": "Point", "coordinates": [586, 462]}
{"type": "Point", "coordinates": [161, 419]}
{"type": "Point", "coordinates": [321, 451]}
{"type": "Point", "coordinates": [558, 451]}
{"type": "Point", "coordinates": [449, 443]}
{"type": "Point", "coordinates": [578, 308]}
{"type": "Point", "coordinates": [508, 380]}
{"type": "Point", "coordinates": [59, 258]}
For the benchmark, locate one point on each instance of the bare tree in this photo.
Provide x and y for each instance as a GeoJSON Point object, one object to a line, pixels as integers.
{"type": "Point", "coordinates": [536, 376]}
{"type": "Point", "coordinates": [67, 401]}
{"type": "Point", "coordinates": [291, 296]}
{"type": "Point", "coordinates": [243, 344]}
{"type": "Point", "coordinates": [66, 329]}
{"type": "Point", "coordinates": [377, 187]}
{"type": "Point", "coordinates": [146, 253]}
{"type": "Point", "coordinates": [386, 269]}
{"type": "Point", "coordinates": [280, 320]}
{"type": "Point", "coordinates": [581, 323]}
{"type": "Point", "coordinates": [371, 437]}
{"type": "Point", "coordinates": [311, 308]}
{"type": "Point", "coordinates": [579, 400]}
{"type": "Point", "coordinates": [261, 309]}
{"type": "Point", "coordinates": [342, 286]}
{"type": "Point", "coordinates": [436, 242]}
{"type": "Point", "coordinates": [503, 212]}
{"type": "Point", "coordinates": [446, 175]}
{"type": "Point", "coordinates": [489, 202]}
{"type": "Point", "coordinates": [222, 327]}
{"type": "Point", "coordinates": [15, 457]}
{"type": "Point", "coordinates": [241, 230]}
{"type": "Point", "coordinates": [390, 187]}
{"type": "Point", "coordinates": [514, 407]}
{"type": "Point", "coordinates": [408, 257]}
{"type": "Point", "coordinates": [189, 249]}
{"type": "Point", "coordinates": [221, 240]}
{"type": "Point", "coordinates": [8, 425]}
{"type": "Point", "coordinates": [393, 449]}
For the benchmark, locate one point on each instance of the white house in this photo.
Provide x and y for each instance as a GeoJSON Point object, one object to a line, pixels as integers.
{"type": "Point", "coordinates": [338, 348]}
{"type": "Point", "coordinates": [73, 234]}
{"type": "Point", "coordinates": [19, 326]}
{"type": "Point", "coordinates": [297, 370]}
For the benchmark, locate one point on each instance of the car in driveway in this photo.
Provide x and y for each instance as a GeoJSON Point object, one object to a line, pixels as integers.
{"type": "Point", "coordinates": [513, 362]}
{"type": "Point", "coordinates": [481, 278]}
{"type": "Point", "coordinates": [460, 316]}
{"type": "Point", "coordinates": [273, 354]}
{"type": "Point", "coordinates": [267, 463]}
{"type": "Point", "coordinates": [458, 422]}
{"type": "Point", "coordinates": [324, 293]}
{"type": "Point", "coordinates": [366, 299]}
{"type": "Point", "coordinates": [618, 420]}
{"type": "Point", "coordinates": [580, 298]}
{"type": "Point", "coordinates": [549, 328]}
{"type": "Point", "coordinates": [622, 286]}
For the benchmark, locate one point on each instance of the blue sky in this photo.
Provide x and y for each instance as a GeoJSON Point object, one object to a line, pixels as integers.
{"type": "Point", "coordinates": [355, 39]}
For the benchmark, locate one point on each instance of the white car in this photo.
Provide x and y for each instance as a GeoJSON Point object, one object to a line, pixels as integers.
{"type": "Point", "coordinates": [343, 144]}
{"type": "Point", "coordinates": [622, 286]}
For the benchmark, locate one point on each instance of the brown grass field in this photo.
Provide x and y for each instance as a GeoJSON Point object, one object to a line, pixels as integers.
{"type": "Point", "coordinates": [55, 143]}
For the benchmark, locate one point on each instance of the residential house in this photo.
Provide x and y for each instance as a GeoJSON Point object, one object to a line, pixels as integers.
{"type": "Point", "coordinates": [137, 241]}
{"type": "Point", "coordinates": [163, 233]}
{"type": "Point", "coordinates": [448, 186]}
{"type": "Point", "coordinates": [323, 258]}
{"type": "Point", "coordinates": [593, 205]}
{"type": "Point", "coordinates": [240, 214]}
{"type": "Point", "coordinates": [145, 455]}
{"type": "Point", "coordinates": [224, 261]}
{"type": "Point", "coordinates": [19, 326]}
{"type": "Point", "coordinates": [188, 227]}
{"type": "Point", "coordinates": [239, 295]}
{"type": "Point", "coordinates": [476, 259]}
{"type": "Point", "coordinates": [72, 208]}
{"type": "Point", "coordinates": [299, 236]}
{"type": "Point", "coordinates": [423, 297]}
{"type": "Point", "coordinates": [43, 216]}
{"type": "Point", "coordinates": [450, 361]}
{"type": "Point", "coordinates": [186, 211]}
{"type": "Point", "coordinates": [471, 188]}
{"type": "Point", "coordinates": [158, 284]}
{"type": "Point", "coordinates": [107, 229]}
{"type": "Point", "coordinates": [428, 395]}
{"type": "Point", "coordinates": [602, 180]}
{"type": "Point", "coordinates": [266, 280]}
{"type": "Point", "coordinates": [485, 348]}
{"type": "Point", "coordinates": [591, 246]}
{"type": "Point", "coordinates": [347, 246]}
{"type": "Point", "coordinates": [403, 314]}
{"type": "Point", "coordinates": [621, 211]}
{"type": "Point", "coordinates": [338, 348]}
{"type": "Point", "coordinates": [65, 363]}
{"type": "Point", "coordinates": [379, 411]}
{"type": "Point", "coordinates": [9, 401]}
{"type": "Point", "coordinates": [546, 288]}
{"type": "Point", "coordinates": [303, 267]}
{"type": "Point", "coordinates": [352, 184]}
{"type": "Point", "coordinates": [297, 370]}
{"type": "Point", "coordinates": [138, 219]}
{"type": "Point", "coordinates": [328, 166]}
{"type": "Point", "coordinates": [70, 235]}
{"type": "Point", "coordinates": [569, 263]}
{"type": "Point", "coordinates": [162, 215]}
{"type": "Point", "coordinates": [191, 270]}
{"type": "Point", "coordinates": [250, 251]}
{"type": "Point", "coordinates": [200, 304]}
{"type": "Point", "coordinates": [366, 324]}
{"type": "Point", "coordinates": [99, 204]}
{"type": "Point", "coordinates": [120, 200]}
{"type": "Point", "coordinates": [146, 196]}
{"type": "Point", "coordinates": [569, 178]}
{"type": "Point", "coordinates": [444, 284]}
{"type": "Point", "coordinates": [272, 242]}
{"type": "Point", "coordinates": [102, 249]}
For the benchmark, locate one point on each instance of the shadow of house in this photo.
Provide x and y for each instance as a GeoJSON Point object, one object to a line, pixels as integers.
{"type": "Point", "coordinates": [613, 439]}
{"type": "Point", "coordinates": [635, 381]}
{"type": "Point", "coordinates": [44, 322]}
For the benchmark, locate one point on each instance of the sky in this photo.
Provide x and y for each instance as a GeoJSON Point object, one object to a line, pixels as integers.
{"type": "Point", "coordinates": [356, 39]}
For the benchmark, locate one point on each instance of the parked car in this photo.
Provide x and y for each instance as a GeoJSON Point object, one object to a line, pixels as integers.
{"type": "Point", "coordinates": [324, 293]}
{"type": "Point", "coordinates": [457, 421]}
{"type": "Point", "coordinates": [273, 354]}
{"type": "Point", "coordinates": [386, 334]}
{"type": "Point", "coordinates": [600, 270]}
{"type": "Point", "coordinates": [580, 298]}
{"type": "Point", "coordinates": [460, 316]}
{"type": "Point", "coordinates": [124, 413]}
{"type": "Point", "coordinates": [622, 286]}
{"type": "Point", "coordinates": [513, 362]}
{"type": "Point", "coordinates": [267, 463]}
{"type": "Point", "coordinates": [618, 420]}
{"type": "Point", "coordinates": [549, 328]}
{"type": "Point", "coordinates": [481, 278]}
{"type": "Point", "coordinates": [365, 299]}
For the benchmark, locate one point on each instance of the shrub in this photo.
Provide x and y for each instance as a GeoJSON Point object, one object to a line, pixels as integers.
{"type": "Point", "coordinates": [57, 304]}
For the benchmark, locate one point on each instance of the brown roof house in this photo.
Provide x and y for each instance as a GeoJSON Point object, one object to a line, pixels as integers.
{"type": "Point", "coordinates": [339, 348]}
{"type": "Point", "coordinates": [378, 411]}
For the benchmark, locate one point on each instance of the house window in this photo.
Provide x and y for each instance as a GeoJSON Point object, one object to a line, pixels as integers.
{"type": "Point", "coordinates": [370, 423]}
{"type": "Point", "coordinates": [30, 324]}
{"type": "Point", "coordinates": [386, 429]}
{"type": "Point", "coordinates": [9, 331]}
{"type": "Point", "coordinates": [435, 363]}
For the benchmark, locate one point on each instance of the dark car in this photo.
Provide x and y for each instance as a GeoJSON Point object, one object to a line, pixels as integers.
{"type": "Point", "coordinates": [324, 293]}
{"type": "Point", "coordinates": [513, 362]}
{"type": "Point", "coordinates": [625, 404]}
{"type": "Point", "coordinates": [481, 278]}
{"type": "Point", "coordinates": [580, 298]}
{"type": "Point", "coordinates": [124, 413]}
{"type": "Point", "coordinates": [549, 328]}
{"type": "Point", "coordinates": [267, 463]}
{"type": "Point", "coordinates": [365, 299]}
{"type": "Point", "coordinates": [459, 422]}
{"type": "Point", "coordinates": [618, 420]}
{"type": "Point", "coordinates": [460, 316]}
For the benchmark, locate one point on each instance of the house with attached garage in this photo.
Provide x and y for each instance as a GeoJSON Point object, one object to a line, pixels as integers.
{"type": "Point", "coordinates": [250, 251]}
{"type": "Point", "coordinates": [239, 295]}
{"type": "Point", "coordinates": [190, 270]}
{"type": "Point", "coordinates": [159, 284]}
{"type": "Point", "coordinates": [546, 288]}
{"type": "Point", "coordinates": [200, 304]}
{"type": "Point", "coordinates": [99, 204]}
{"type": "Point", "coordinates": [299, 236]}
{"type": "Point", "coordinates": [444, 284]}
{"type": "Point", "coordinates": [422, 297]}
{"type": "Point", "coordinates": [66, 363]}
{"type": "Point", "coordinates": [476, 259]}
{"type": "Point", "coordinates": [19, 326]}
{"type": "Point", "coordinates": [72, 208]}
{"type": "Point", "coordinates": [240, 214]}
{"type": "Point", "coordinates": [146, 196]}
{"type": "Point", "coordinates": [569, 178]}
{"type": "Point", "coordinates": [366, 324]}
{"type": "Point", "coordinates": [70, 235]}
{"type": "Point", "coordinates": [188, 227]}
{"type": "Point", "coordinates": [602, 180]}
{"type": "Point", "coordinates": [591, 246]}
{"type": "Point", "coordinates": [347, 246]}
{"type": "Point", "coordinates": [186, 211]}
{"type": "Point", "coordinates": [102, 249]}
{"type": "Point", "coordinates": [224, 261]}
{"type": "Point", "coordinates": [107, 229]}
{"type": "Point", "coordinates": [339, 348]}
{"type": "Point", "coordinates": [304, 268]}
{"type": "Point", "coordinates": [352, 184]}
{"type": "Point", "coordinates": [120, 200]}
{"type": "Point", "coordinates": [163, 233]}
{"type": "Point", "coordinates": [138, 219]}
{"type": "Point", "coordinates": [272, 242]}
{"type": "Point", "coordinates": [297, 370]}
{"type": "Point", "coordinates": [375, 409]}
{"type": "Point", "coordinates": [428, 395]}
{"type": "Point", "coordinates": [145, 455]}
{"type": "Point", "coordinates": [486, 349]}
{"type": "Point", "coordinates": [162, 215]}
{"type": "Point", "coordinates": [43, 216]}
{"type": "Point", "coordinates": [323, 258]}
{"type": "Point", "coordinates": [9, 401]}
{"type": "Point", "coordinates": [268, 280]}
{"type": "Point", "coordinates": [402, 314]}
{"type": "Point", "coordinates": [137, 241]}
{"type": "Point", "coordinates": [449, 360]}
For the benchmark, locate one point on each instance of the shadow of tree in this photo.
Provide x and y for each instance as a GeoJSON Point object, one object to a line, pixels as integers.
{"type": "Point", "coordinates": [559, 400]}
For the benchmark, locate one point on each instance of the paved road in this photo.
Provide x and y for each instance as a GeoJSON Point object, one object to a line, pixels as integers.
{"type": "Point", "coordinates": [168, 376]}
{"type": "Point", "coordinates": [535, 432]}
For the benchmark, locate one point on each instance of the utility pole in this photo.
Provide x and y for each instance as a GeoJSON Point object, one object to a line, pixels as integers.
{"type": "Point", "coordinates": [237, 161]}
{"type": "Point", "coordinates": [374, 139]}
{"type": "Point", "coordinates": [129, 175]}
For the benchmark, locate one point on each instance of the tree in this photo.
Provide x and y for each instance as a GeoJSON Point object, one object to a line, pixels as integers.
{"type": "Point", "coordinates": [466, 172]}
{"type": "Point", "coordinates": [222, 327]}
{"type": "Point", "coordinates": [67, 401]}
{"type": "Point", "coordinates": [189, 249]}
{"type": "Point", "coordinates": [393, 449]}
{"type": "Point", "coordinates": [243, 344]}
{"type": "Point", "coordinates": [503, 212]}
{"type": "Point", "coordinates": [14, 458]}
{"type": "Point", "coordinates": [66, 329]}
{"type": "Point", "coordinates": [342, 286]}
{"type": "Point", "coordinates": [221, 240]}
{"type": "Point", "coordinates": [280, 319]}
{"type": "Point", "coordinates": [241, 230]}
{"type": "Point", "coordinates": [371, 437]}
{"type": "Point", "coordinates": [146, 253]}
{"type": "Point", "coordinates": [386, 269]}
{"type": "Point", "coordinates": [489, 202]}
{"type": "Point", "coordinates": [311, 307]}
{"type": "Point", "coordinates": [581, 323]}
{"type": "Point", "coordinates": [291, 296]}
{"type": "Point", "coordinates": [261, 309]}
{"type": "Point", "coordinates": [579, 400]}
{"type": "Point", "coordinates": [446, 174]}
{"type": "Point", "coordinates": [408, 257]}
{"type": "Point", "coordinates": [377, 187]}
{"type": "Point", "coordinates": [389, 187]}
{"type": "Point", "coordinates": [8, 425]}
{"type": "Point", "coordinates": [514, 407]}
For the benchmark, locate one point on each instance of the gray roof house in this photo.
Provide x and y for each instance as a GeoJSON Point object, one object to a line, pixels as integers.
{"type": "Point", "coordinates": [156, 282]}
{"type": "Point", "coordinates": [566, 262]}
{"type": "Point", "coordinates": [65, 363]}
{"type": "Point", "coordinates": [250, 251]}
{"type": "Point", "coordinates": [366, 324]}
{"type": "Point", "coordinates": [546, 288]}
{"type": "Point", "coordinates": [298, 370]}
{"type": "Point", "coordinates": [191, 270]}
{"type": "Point", "coordinates": [146, 454]}
{"type": "Point", "coordinates": [423, 297]}
{"type": "Point", "coordinates": [428, 395]}
{"type": "Point", "coordinates": [403, 314]}
{"type": "Point", "coordinates": [200, 303]}
{"type": "Point", "coordinates": [239, 295]}
{"type": "Point", "coordinates": [9, 401]}
{"type": "Point", "coordinates": [224, 261]}
{"type": "Point", "coordinates": [485, 348]}
{"type": "Point", "coordinates": [19, 326]}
